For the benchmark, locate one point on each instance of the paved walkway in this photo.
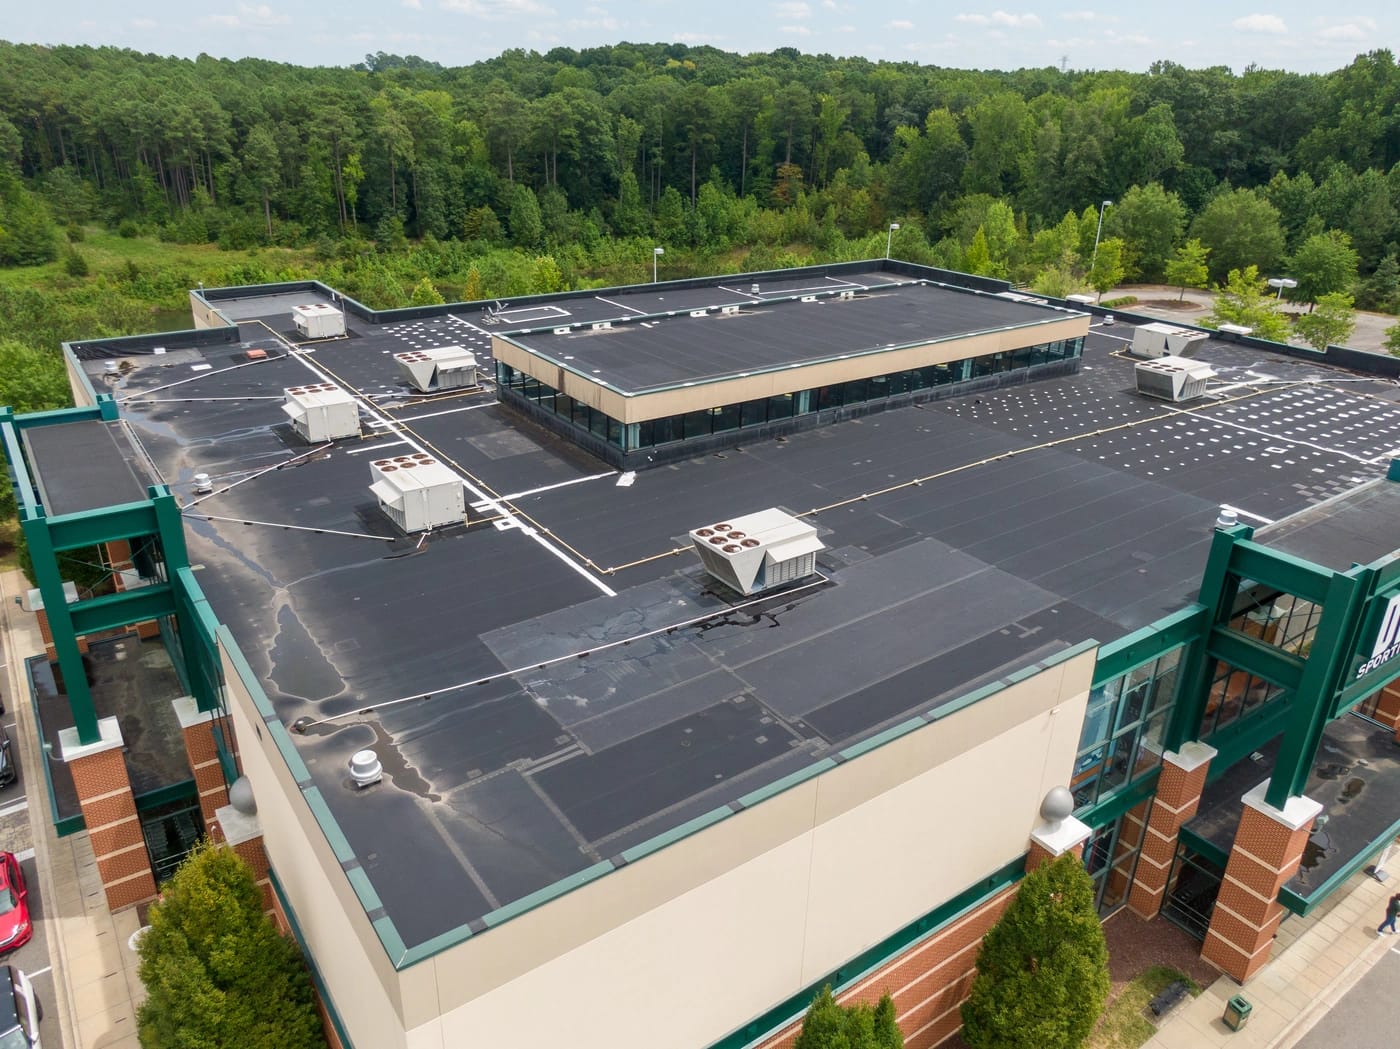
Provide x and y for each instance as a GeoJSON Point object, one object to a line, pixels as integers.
{"type": "Point", "coordinates": [1316, 960]}
{"type": "Point", "coordinates": [94, 969]}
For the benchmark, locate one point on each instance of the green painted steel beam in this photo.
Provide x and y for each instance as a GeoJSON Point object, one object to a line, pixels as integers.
{"type": "Point", "coordinates": [58, 417]}
{"type": "Point", "coordinates": [1353, 693]}
{"type": "Point", "coordinates": [1239, 739]}
{"type": "Point", "coordinates": [1202, 847]}
{"type": "Point", "coordinates": [1327, 661]}
{"type": "Point", "coordinates": [1256, 656]}
{"type": "Point", "coordinates": [25, 499]}
{"type": "Point", "coordinates": [170, 528]}
{"type": "Point", "coordinates": [1292, 575]}
{"type": "Point", "coordinates": [1217, 596]}
{"type": "Point", "coordinates": [1149, 643]}
{"type": "Point", "coordinates": [121, 609]}
{"type": "Point", "coordinates": [90, 527]}
{"type": "Point", "coordinates": [57, 612]}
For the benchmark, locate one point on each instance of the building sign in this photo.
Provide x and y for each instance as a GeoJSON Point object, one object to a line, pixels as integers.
{"type": "Point", "coordinates": [1387, 639]}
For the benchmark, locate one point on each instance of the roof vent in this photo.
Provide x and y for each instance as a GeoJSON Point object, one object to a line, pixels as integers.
{"type": "Point", "coordinates": [759, 551]}
{"type": "Point", "coordinates": [203, 485]}
{"type": "Point", "coordinates": [1227, 519]}
{"type": "Point", "coordinates": [753, 289]}
{"type": "Point", "coordinates": [418, 492]}
{"type": "Point", "coordinates": [441, 368]}
{"type": "Point", "coordinates": [699, 313]}
{"type": "Point", "coordinates": [729, 309]}
{"type": "Point", "coordinates": [1162, 340]}
{"type": "Point", "coordinates": [111, 369]}
{"type": "Point", "coordinates": [365, 769]}
{"type": "Point", "coordinates": [1172, 378]}
{"type": "Point", "coordinates": [318, 320]}
{"type": "Point", "coordinates": [322, 411]}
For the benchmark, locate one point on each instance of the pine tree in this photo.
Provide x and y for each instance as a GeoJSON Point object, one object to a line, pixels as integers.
{"type": "Point", "coordinates": [829, 1025]}
{"type": "Point", "coordinates": [217, 972]}
{"type": "Point", "coordinates": [1042, 975]}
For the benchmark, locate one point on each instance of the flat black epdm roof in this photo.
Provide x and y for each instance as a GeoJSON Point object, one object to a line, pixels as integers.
{"type": "Point", "coordinates": [775, 328]}
{"type": "Point", "coordinates": [83, 466]}
{"type": "Point", "coordinates": [1044, 514]}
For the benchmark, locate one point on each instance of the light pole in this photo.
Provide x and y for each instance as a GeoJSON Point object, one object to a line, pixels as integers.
{"type": "Point", "coordinates": [656, 253]}
{"type": "Point", "coordinates": [1280, 283]}
{"type": "Point", "coordinates": [889, 237]}
{"type": "Point", "coordinates": [1098, 232]}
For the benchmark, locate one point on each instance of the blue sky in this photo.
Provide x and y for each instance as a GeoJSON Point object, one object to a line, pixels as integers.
{"type": "Point", "coordinates": [1303, 37]}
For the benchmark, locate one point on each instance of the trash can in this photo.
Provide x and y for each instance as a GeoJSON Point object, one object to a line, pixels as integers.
{"type": "Point", "coordinates": [1237, 1011]}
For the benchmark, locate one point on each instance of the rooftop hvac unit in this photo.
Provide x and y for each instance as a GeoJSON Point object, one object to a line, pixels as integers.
{"type": "Point", "coordinates": [418, 492]}
{"type": "Point", "coordinates": [318, 320]}
{"type": "Point", "coordinates": [1163, 340]}
{"type": "Point", "coordinates": [1173, 378]}
{"type": "Point", "coordinates": [322, 411]}
{"type": "Point", "coordinates": [759, 551]}
{"type": "Point", "coordinates": [442, 368]}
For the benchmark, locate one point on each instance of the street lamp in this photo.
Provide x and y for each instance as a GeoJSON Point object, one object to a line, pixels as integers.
{"type": "Point", "coordinates": [656, 253]}
{"type": "Point", "coordinates": [889, 237]}
{"type": "Point", "coordinates": [1102, 208]}
{"type": "Point", "coordinates": [1280, 283]}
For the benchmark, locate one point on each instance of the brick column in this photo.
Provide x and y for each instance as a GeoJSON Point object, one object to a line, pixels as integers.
{"type": "Point", "coordinates": [242, 832]}
{"type": "Point", "coordinates": [1388, 707]}
{"type": "Point", "coordinates": [1177, 799]}
{"type": "Point", "coordinates": [203, 754]}
{"type": "Point", "coordinates": [1267, 851]}
{"type": "Point", "coordinates": [109, 810]}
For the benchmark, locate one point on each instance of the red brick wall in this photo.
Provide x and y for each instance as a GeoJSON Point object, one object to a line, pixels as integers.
{"type": "Point", "coordinates": [928, 981]}
{"type": "Point", "coordinates": [109, 811]}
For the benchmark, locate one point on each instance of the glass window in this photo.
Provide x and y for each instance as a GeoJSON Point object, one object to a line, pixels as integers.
{"type": "Point", "coordinates": [755, 413]}
{"type": "Point", "coordinates": [781, 406]}
{"type": "Point", "coordinates": [696, 424]}
{"type": "Point", "coordinates": [725, 418]}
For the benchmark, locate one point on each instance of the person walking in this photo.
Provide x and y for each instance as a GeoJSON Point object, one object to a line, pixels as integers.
{"type": "Point", "coordinates": [1392, 911]}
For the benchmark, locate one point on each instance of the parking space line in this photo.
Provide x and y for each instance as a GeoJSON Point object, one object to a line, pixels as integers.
{"type": "Point", "coordinates": [27, 854]}
{"type": "Point", "coordinates": [18, 805]}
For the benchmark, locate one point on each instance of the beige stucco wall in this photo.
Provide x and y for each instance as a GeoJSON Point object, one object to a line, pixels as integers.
{"type": "Point", "coordinates": [205, 316]}
{"type": "Point", "coordinates": [771, 384]}
{"type": "Point", "coordinates": [81, 397]}
{"type": "Point", "coordinates": [351, 959]}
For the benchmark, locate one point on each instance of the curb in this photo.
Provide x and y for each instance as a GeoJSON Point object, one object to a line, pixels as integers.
{"type": "Point", "coordinates": [65, 1008]}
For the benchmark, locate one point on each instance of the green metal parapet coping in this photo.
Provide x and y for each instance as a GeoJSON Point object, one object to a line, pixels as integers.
{"type": "Point", "coordinates": [1292, 575]}
{"type": "Point", "coordinates": [790, 1008]}
{"type": "Point", "coordinates": [1151, 642]}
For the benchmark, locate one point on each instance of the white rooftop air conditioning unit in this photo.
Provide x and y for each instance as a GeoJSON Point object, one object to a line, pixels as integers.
{"type": "Point", "coordinates": [418, 492]}
{"type": "Point", "coordinates": [759, 551]}
{"type": "Point", "coordinates": [1173, 378]}
{"type": "Point", "coordinates": [322, 411]}
{"type": "Point", "coordinates": [318, 320]}
{"type": "Point", "coordinates": [1163, 340]}
{"type": "Point", "coordinates": [441, 368]}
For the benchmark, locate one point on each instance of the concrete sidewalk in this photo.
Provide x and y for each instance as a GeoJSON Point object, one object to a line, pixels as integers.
{"type": "Point", "coordinates": [1316, 960]}
{"type": "Point", "coordinates": [94, 968]}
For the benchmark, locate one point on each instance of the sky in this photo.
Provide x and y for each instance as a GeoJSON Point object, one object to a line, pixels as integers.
{"type": "Point", "coordinates": [1285, 34]}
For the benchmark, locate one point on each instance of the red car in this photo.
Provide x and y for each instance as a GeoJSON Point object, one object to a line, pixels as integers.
{"type": "Point", "coordinates": [15, 927]}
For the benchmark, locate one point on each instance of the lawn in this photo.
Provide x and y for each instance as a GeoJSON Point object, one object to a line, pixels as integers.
{"type": "Point", "coordinates": [1125, 1024]}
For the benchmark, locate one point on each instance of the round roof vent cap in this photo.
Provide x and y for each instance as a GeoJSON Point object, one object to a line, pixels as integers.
{"type": "Point", "coordinates": [365, 768]}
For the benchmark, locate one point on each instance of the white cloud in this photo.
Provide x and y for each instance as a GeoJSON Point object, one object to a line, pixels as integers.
{"type": "Point", "coordinates": [249, 16]}
{"type": "Point", "coordinates": [697, 38]}
{"type": "Point", "coordinates": [901, 23]}
{"type": "Point", "coordinates": [792, 9]}
{"type": "Point", "coordinates": [1001, 18]}
{"type": "Point", "coordinates": [830, 5]}
{"type": "Point", "coordinates": [1260, 24]}
{"type": "Point", "coordinates": [1352, 30]}
{"type": "Point", "coordinates": [143, 23]}
{"type": "Point", "coordinates": [496, 9]}
{"type": "Point", "coordinates": [413, 5]}
{"type": "Point", "coordinates": [796, 30]}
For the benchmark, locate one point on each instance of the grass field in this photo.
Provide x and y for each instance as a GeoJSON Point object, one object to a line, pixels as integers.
{"type": "Point", "coordinates": [1125, 1024]}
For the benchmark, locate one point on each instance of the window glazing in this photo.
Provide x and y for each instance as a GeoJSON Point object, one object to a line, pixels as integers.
{"type": "Point", "coordinates": [1123, 727]}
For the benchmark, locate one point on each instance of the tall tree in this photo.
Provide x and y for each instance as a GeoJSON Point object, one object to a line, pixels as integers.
{"type": "Point", "coordinates": [1241, 229]}
{"type": "Point", "coordinates": [1042, 973]}
{"type": "Point", "coordinates": [1324, 263]}
{"type": "Point", "coordinates": [1188, 269]}
{"type": "Point", "coordinates": [1330, 324]}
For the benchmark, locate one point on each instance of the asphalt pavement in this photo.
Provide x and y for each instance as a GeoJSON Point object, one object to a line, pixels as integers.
{"type": "Point", "coordinates": [1368, 1016]}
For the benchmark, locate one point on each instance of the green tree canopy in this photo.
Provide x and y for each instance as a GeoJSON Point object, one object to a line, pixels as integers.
{"type": "Point", "coordinates": [1246, 299]}
{"type": "Point", "coordinates": [830, 1025]}
{"type": "Point", "coordinates": [1107, 270]}
{"type": "Point", "coordinates": [1149, 221]}
{"type": "Point", "coordinates": [217, 972]}
{"type": "Point", "coordinates": [1187, 269]}
{"type": "Point", "coordinates": [1330, 324]}
{"type": "Point", "coordinates": [1042, 974]}
{"type": "Point", "coordinates": [1323, 263]}
{"type": "Point", "coordinates": [1241, 229]}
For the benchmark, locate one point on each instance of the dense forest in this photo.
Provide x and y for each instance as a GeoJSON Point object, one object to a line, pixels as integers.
{"type": "Point", "coordinates": [400, 179]}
